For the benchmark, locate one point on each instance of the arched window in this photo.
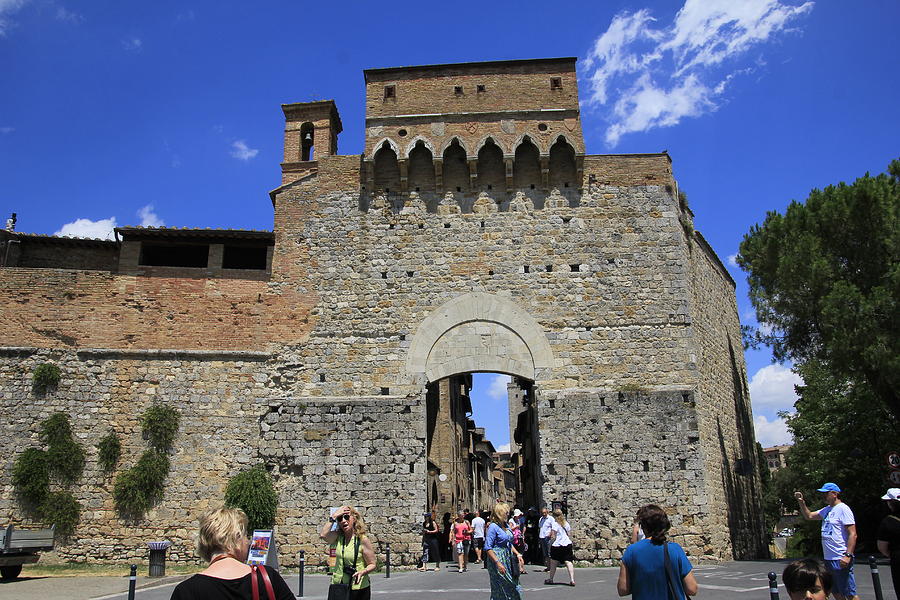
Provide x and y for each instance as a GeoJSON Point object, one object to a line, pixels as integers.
{"type": "Point", "coordinates": [562, 165]}
{"type": "Point", "coordinates": [421, 168]}
{"type": "Point", "coordinates": [456, 168]}
{"type": "Point", "coordinates": [527, 166]}
{"type": "Point", "coordinates": [387, 171]}
{"type": "Point", "coordinates": [307, 141]}
{"type": "Point", "coordinates": [491, 170]}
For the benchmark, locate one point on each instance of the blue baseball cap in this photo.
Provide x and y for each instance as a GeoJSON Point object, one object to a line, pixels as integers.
{"type": "Point", "coordinates": [829, 487]}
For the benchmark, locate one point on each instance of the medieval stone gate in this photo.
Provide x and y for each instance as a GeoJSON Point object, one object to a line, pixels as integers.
{"type": "Point", "coordinates": [472, 234]}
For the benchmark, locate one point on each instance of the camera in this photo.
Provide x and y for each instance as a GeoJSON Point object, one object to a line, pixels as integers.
{"type": "Point", "coordinates": [349, 571]}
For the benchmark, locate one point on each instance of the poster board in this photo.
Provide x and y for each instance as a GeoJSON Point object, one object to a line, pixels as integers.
{"type": "Point", "coordinates": [262, 549]}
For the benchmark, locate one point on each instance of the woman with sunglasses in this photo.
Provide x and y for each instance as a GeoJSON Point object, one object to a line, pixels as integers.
{"type": "Point", "coordinates": [354, 554]}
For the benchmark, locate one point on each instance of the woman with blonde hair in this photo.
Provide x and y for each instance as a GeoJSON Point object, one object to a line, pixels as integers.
{"type": "Point", "coordinates": [503, 561]}
{"type": "Point", "coordinates": [223, 541]}
{"type": "Point", "coordinates": [560, 547]}
{"type": "Point", "coordinates": [345, 530]}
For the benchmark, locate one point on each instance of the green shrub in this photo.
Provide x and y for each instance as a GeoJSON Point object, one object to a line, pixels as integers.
{"type": "Point", "coordinates": [109, 449]}
{"type": "Point", "coordinates": [137, 489]}
{"type": "Point", "coordinates": [31, 476]}
{"type": "Point", "coordinates": [253, 492]}
{"type": "Point", "coordinates": [45, 376]}
{"type": "Point", "coordinates": [65, 457]}
{"type": "Point", "coordinates": [160, 424]}
{"type": "Point", "coordinates": [61, 509]}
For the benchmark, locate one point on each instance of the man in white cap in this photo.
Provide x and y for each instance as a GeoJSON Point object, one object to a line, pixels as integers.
{"type": "Point", "coordinates": [838, 539]}
{"type": "Point", "coordinates": [889, 535]}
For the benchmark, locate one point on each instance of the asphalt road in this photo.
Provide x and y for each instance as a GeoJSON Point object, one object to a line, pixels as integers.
{"type": "Point", "coordinates": [727, 581]}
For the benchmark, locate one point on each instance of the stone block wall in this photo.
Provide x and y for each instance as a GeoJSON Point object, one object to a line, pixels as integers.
{"type": "Point", "coordinates": [610, 452]}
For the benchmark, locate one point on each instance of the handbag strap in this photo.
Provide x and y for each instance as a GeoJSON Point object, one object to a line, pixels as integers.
{"type": "Point", "coordinates": [254, 583]}
{"type": "Point", "coordinates": [670, 576]}
{"type": "Point", "coordinates": [270, 591]}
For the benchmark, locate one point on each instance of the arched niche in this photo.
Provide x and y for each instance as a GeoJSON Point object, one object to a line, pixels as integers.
{"type": "Point", "coordinates": [491, 169]}
{"type": "Point", "coordinates": [456, 168]}
{"type": "Point", "coordinates": [479, 332]}
{"type": "Point", "coordinates": [421, 168]}
{"type": "Point", "coordinates": [307, 141]}
{"type": "Point", "coordinates": [527, 166]}
{"type": "Point", "coordinates": [563, 172]}
{"type": "Point", "coordinates": [387, 170]}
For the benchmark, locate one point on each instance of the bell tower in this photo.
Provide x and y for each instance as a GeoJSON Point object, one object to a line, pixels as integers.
{"type": "Point", "coordinates": [310, 132]}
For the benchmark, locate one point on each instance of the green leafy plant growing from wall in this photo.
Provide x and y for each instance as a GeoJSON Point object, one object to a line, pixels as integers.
{"type": "Point", "coordinates": [45, 377]}
{"type": "Point", "coordinates": [109, 449]}
{"type": "Point", "coordinates": [253, 492]}
{"type": "Point", "coordinates": [61, 463]}
{"type": "Point", "coordinates": [138, 489]}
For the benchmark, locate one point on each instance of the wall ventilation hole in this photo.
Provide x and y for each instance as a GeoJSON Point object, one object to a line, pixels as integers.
{"type": "Point", "coordinates": [682, 464]}
{"type": "Point", "coordinates": [402, 133]}
{"type": "Point", "coordinates": [321, 377]}
{"type": "Point", "coordinates": [685, 397]}
{"type": "Point", "coordinates": [385, 391]}
{"type": "Point", "coordinates": [602, 401]}
{"type": "Point", "coordinates": [410, 273]}
{"type": "Point", "coordinates": [490, 272]}
{"type": "Point", "coordinates": [446, 225]}
{"type": "Point", "coordinates": [552, 403]}
{"type": "Point", "coordinates": [532, 186]}
{"type": "Point", "coordinates": [362, 469]}
{"type": "Point", "coordinates": [384, 274]}
{"type": "Point", "coordinates": [417, 189]}
{"type": "Point", "coordinates": [458, 189]}
{"type": "Point", "coordinates": [549, 268]}
{"type": "Point", "coordinates": [482, 223]}
{"type": "Point", "coordinates": [526, 269]}
{"type": "Point", "coordinates": [457, 89]}
{"type": "Point", "coordinates": [575, 268]}
{"type": "Point", "coordinates": [480, 88]}
{"type": "Point", "coordinates": [390, 91]}
{"type": "Point", "coordinates": [590, 467]}
{"type": "Point", "coordinates": [402, 337]}
{"type": "Point", "coordinates": [421, 225]}
{"type": "Point", "coordinates": [646, 465]}
{"type": "Point", "coordinates": [566, 184]}
{"type": "Point", "coordinates": [490, 187]}
{"type": "Point", "coordinates": [542, 127]}
{"type": "Point", "coordinates": [412, 467]}
{"type": "Point", "coordinates": [390, 225]}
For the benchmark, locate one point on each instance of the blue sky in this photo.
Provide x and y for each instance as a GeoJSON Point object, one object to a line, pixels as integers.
{"type": "Point", "coordinates": [167, 113]}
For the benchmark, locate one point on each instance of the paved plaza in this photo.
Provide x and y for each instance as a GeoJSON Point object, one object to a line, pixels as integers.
{"type": "Point", "coordinates": [744, 580]}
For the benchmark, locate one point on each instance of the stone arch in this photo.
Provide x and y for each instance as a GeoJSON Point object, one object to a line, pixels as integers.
{"type": "Point", "coordinates": [425, 142]}
{"type": "Point", "coordinates": [534, 139]}
{"type": "Point", "coordinates": [491, 167]}
{"type": "Point", "coordinates": [563, 172]}
{"type": "Point", "coordinates": [387, 169]}
{"type": "Point", "coordinates": [479, 332]}
{"type": "Point", "coordinates": [459, 141]}
{"type": "Point", "coordinates": [456, 167]}
{"type": "Point", "coordinates": [484, 141]}
{"type": "Point", "coordinates": [391, 143]}
{"type": "Point", "coordinates": [527, 165]}
{"type": "Point", "coordinates": [421, 168]}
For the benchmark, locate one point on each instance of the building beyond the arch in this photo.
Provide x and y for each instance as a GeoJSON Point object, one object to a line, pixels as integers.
{"type": "Point", "coordinates": [473, 233]}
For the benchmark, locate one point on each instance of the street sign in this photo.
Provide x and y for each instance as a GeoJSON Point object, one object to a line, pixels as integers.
{"type": "Point", "coordinates": [894, 476]}
{"type": "Point", "coordinates": [893, 460]}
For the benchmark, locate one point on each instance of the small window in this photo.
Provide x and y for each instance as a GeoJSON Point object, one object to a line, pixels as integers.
{"type": "Point", "coordinates": [457, 89]}
{"type": "Point", "coordinates": [244, 257]}
{"type": "Point", "coordinates": [480, 88]}
{"type": "Point", "coordinates": [390, 91]}
{"type": "Point", "coordinates": [556, 83]}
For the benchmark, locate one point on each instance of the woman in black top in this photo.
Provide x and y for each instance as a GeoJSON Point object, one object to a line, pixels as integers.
{"type": "Point", "coordinates": [430, 533]}
{"type": "Point", "coordinates": [224, 543]}
{"type": "Point", "coordinates": [889, 535]}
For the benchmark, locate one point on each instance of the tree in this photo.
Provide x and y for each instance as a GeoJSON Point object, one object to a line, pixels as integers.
{"type": "Point", "coordinates": [825, 281]}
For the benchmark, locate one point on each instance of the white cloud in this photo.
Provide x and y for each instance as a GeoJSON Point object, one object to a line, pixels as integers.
{"type": "Point", "coordinates": [241, 151]}
{"type": "Point", "coordinates": [497, 388]}
{"type": "Point", "coordinates": [7, 8]}
{"type": "Point", "coordinates": [132, 43]}
{"type": "Point", "coordinates": [503, 448]}
{"type": "Point", "coordinates": [771, 433]}
{"type": "Point", "coordinates": [149, 218]}
{"type": "Point", "coordinates": [656, 76]}
{"type": "Point", "coordinates": [63, 14]}
{"type": "Point", "coordinates": [85, 228]}
{"type": "Point", "coordinates": [732, 260]}
{"type": "Point", "coordinates": [772, 389]}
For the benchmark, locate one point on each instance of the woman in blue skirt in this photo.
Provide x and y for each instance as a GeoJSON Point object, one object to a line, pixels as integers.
{"type": "Point", "coordinates": [501, 554]}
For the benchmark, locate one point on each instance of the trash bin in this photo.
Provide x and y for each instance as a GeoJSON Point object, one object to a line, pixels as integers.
{"type": "Point", "coordinates": [158, 558]}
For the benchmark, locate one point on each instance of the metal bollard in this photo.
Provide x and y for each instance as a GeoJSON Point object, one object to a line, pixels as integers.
{"type": "Point", "coordinates": [302, 572]}
{"type": "Point", "coordinates": [387, 564]}
{"type": "Point", "coordinates": [876, 580]}
{"type": "Point", "coordinates": [773, 586]}
{"type": "Point", "coordinates": [132, 581]}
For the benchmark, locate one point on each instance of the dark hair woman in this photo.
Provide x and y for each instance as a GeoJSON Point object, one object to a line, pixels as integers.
{"type": "Point", "coordinates": [807, 579]}
{"type": "Point", "coordinates": [431, 551]}
{"type": "Point", "coordinates": [643, 572]}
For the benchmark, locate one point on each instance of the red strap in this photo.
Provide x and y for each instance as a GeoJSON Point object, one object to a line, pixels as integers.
{"type": "Point", "coordinates": [254, 583]}
{"type": "Point", "coordinates": [270, 591]}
